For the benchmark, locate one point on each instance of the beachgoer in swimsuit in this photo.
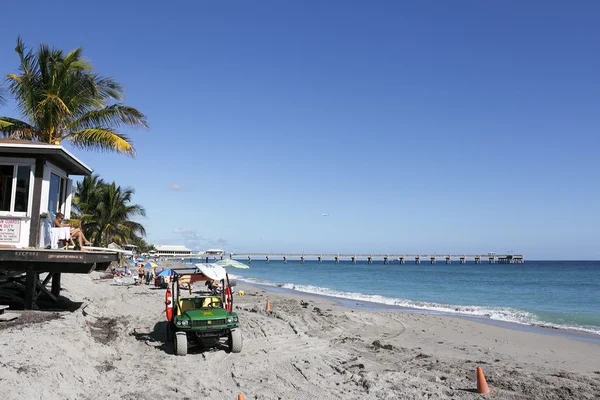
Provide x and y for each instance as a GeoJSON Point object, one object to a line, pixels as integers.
{"type": "Point", "coordinates": [75, 233]}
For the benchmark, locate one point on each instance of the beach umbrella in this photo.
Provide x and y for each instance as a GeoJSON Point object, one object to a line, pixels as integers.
{"type": "Point", "coordinates": [130, 261]}
{"type": "Point", "coordinates": [232, 264]}
{"type": "Point", "coordinates": [151, 265]}
{"type": "Point", "coordinates": [140, 259]}
{"type": "Point", "coordinates": [166, 272]}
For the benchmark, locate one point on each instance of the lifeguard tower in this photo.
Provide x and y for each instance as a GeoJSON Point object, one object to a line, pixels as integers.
{"type": "Point", "coordinates": [34, 185]}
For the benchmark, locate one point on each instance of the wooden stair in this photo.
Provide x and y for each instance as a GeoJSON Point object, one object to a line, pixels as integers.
{"type": "Point", "coordinates": [7, 316]}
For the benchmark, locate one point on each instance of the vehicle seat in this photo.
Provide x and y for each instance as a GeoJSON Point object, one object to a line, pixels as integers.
{"type": "Point", "coordinates": [186, 304]}
{"type": "Point", "coordinates": [207, 302]}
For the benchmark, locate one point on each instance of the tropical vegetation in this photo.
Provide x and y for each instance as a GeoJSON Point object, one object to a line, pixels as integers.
{"type": "Point", "coordinates": [60, 97]}
{"type": "Point", "coordinates": [105, 213]}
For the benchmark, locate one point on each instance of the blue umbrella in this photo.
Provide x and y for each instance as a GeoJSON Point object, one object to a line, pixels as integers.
{"type": "Point", "coordinates": [130, 262]}
{"type": "Point", "coordinates": [166, 272]}
{"type": "Point", "coordinates": [140, 259]}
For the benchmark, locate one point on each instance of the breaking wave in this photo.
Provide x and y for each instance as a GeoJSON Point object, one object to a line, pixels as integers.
{"type": "Point", "coordinates": [507, 314]}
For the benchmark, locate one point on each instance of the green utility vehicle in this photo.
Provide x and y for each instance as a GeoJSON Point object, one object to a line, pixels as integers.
{"type": "Point", "coordinates": [205, 320]}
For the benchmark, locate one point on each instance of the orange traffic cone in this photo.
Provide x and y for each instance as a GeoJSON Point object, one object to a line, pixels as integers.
{"type": "Point", "coordinates": [268, 308]}
{"type": "Point", "coordinates": [482, 386]}
{"type": "Point", "coordinates": [240, 396]}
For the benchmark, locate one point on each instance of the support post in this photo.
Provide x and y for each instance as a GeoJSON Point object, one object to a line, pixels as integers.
{"type": "Point", "coordinates": [34, 224]}
{"type": "Point", "coordinates": [267, 259]}
{"type": "Point", "coordinates": [284, 259]}
{"type": "Point", "coordinates": [302, 259]}
{"type": "Point", "coordinates": [337, 259]}
{"type": "Point", "coordinates": [320, 260]}
{"type": "Point", "coordinates": [56, 284]}
{"type": "Point", "coordinates": [30, 285]}
{"type": "Point", "coordinates": [353, 259]}
{"type": "Point", "coordinates": [249, 260]}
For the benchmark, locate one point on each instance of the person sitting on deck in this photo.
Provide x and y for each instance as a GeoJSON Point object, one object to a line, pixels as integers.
{"type": "Point", "coordinates": [76, 233]}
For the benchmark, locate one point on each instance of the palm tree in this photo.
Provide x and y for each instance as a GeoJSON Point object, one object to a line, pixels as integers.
{"type": "Point", "coordinates": [62, 99]}
{"type": "Point", "coordinates": [106, 212]}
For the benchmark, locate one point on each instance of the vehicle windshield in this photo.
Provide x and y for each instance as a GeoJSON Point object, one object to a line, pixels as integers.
{"type": "Point", "coordinates": [209, 302]}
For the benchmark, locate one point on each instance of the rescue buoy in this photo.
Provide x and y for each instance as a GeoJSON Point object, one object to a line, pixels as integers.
{"type": "Point", "coordinates": [169, 304]}
{"type": "Point", "coordinates": [228, 298]}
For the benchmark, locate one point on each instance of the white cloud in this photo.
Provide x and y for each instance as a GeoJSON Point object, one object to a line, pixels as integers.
{"type": "Point", "coordinates": [193, 240]}
{"type": "Point", "coordinates": [175, 186]}
{"type": "Point", "coordinates": [188, 233]}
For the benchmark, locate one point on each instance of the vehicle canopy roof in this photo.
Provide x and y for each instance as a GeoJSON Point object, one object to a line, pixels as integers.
{"type": "Point", "coordinates": [202, 272]}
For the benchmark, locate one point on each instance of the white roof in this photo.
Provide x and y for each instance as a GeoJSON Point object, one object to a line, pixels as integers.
{"type": "Point", "coordinates": [24, 147]}
{"type": "Point", "coordinates": [160, 247]}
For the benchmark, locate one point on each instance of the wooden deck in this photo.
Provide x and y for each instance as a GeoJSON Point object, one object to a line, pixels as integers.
{"type": "Point", "coordinates": [20, 269]}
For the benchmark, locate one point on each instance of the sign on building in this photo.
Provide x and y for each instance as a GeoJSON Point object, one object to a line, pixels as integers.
{"type": "Point", "coordinates": [10, 230]}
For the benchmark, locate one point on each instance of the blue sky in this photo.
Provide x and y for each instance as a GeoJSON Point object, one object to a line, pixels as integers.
{"type": "Point", "coordinates": [422, 126]}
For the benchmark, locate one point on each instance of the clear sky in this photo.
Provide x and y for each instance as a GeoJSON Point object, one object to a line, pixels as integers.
{"type": "Point", "coordinates": [418, 126]}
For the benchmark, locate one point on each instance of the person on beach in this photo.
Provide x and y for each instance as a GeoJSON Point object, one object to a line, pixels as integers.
{"type": "Point", "coordinates": [212, 286]}
{"type": "Point", "coordinates": [141, 273]}
{"type": "Point", "coordinates": [75, 233]}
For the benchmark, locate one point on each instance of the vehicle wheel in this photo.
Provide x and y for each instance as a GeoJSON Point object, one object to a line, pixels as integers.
{"type": "Point", "coordinates": [181, 346]}
{"type": "Point", "coordinates": [235, 341]}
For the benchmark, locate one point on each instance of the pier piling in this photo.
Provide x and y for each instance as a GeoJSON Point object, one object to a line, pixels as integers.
{"type": "Point", "coordinates": [493, 258]}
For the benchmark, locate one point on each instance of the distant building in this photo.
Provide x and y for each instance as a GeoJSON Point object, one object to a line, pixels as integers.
{"type": "Point", "coordinates": [214, 252]}
{"type": "Point", "coordinates": [170, 251]}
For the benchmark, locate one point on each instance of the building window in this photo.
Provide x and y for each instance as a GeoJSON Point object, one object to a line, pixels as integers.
{"type": "Point", "coordinates": [58, 193]}
{"type": "Point", "coordinates": [14, 188]}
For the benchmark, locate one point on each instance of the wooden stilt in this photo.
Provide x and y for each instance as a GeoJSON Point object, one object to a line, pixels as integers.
{"type": "Point", "coordinates": [30, 285]}
{"type": "Point", "coordinates": [56, 284]}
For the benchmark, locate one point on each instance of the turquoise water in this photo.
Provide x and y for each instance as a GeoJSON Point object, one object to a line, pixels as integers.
{"type": "Point", "coordinates": [560, 294]}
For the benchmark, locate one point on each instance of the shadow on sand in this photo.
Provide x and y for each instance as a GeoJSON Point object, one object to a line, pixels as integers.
{"type": "Point", "coordinates": [158, 339]}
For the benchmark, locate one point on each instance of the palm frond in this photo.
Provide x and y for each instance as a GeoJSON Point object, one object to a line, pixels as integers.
{"type": "Point", "coordinates": [115, 115]}
{"type": "Point", "coordinates": [16, 129]}
{"type": "Point", "coordinates": [102, 139]}
{"type": "Point", "coordinates": [52, 99]}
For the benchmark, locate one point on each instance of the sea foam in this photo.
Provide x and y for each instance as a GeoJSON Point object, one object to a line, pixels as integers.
{"type": "Point", "coordinates": [504, 314]}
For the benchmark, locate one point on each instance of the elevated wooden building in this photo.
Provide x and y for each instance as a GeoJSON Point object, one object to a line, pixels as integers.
{"type": "Point", "coordinates": [35, 183]}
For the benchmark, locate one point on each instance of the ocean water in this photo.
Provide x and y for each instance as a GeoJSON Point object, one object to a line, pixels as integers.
{"type": "Point", "coordinates": [558, 294]}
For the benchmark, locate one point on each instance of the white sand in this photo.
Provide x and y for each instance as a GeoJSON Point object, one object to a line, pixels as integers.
{"type": "Point", "coordinates": [113, 347]}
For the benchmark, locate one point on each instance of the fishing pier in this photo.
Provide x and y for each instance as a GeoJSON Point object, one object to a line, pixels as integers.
{"type": "Point", "coordinates": [492, 258]}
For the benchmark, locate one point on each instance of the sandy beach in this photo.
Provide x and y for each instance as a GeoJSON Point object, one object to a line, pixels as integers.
{"type": "Point", "coordinates": [113, 346]}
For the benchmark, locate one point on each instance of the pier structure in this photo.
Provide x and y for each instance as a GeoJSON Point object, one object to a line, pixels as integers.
{"type": "Point", "coordinates": [386, 258]}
